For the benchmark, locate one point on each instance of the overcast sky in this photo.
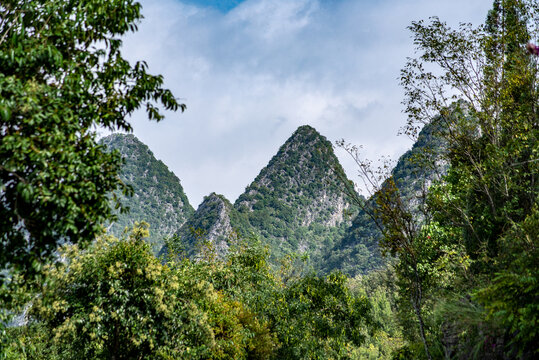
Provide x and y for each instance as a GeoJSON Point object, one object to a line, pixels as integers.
{"type": "Point", "coordinates": [252, 71]}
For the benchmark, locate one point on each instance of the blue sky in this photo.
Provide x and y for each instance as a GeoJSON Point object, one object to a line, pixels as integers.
{"type": "Point", "coordinates": [250, 74]}
{"type": "Point", "coordinates": [223, 5]}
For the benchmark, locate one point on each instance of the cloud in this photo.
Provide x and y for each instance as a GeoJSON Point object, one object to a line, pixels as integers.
{"type": "Point", "coordinates": [251, 75]}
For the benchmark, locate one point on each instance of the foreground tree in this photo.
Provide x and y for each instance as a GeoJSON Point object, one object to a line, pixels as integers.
{"type": "Point", "coordinates": [62, 75]}
{"type": "Point", "coordinates": [294, 316]}
{"type": "Point", "coordinates": [485, 91]}
{"type": "Point", "coordinates": [115, 300]}
{"type": "Point", "coordinates": [470, 243]}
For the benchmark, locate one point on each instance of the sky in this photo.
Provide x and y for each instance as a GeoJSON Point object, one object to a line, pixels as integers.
{"type": "Point", "coordinates": [252, 71]}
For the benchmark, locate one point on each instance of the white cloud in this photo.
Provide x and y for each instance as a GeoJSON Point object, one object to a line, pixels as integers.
{"type": "Point", "coordinates": [252, 75]}
{"type": "Point", "coordinates": [272, 20]}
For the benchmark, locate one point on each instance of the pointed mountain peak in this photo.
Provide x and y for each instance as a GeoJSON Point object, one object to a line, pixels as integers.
{"type": "Point", "coordinates": [129, 146]}
{"type": "Point", "coordinates": [306, 152]}
{"type": "Point", "coordinates": [214, 224]}
{"type": "Point", "coordinates": [305, 130]}
{"type": "Point", "coordinates": [295, 202]}
{"type": "Point", "coordinates": [118, 139]}
{"type": "Point", "coordinates": [306, 134]}
{"type": "Point", "coordinates": [215, 198]}
{"type": "Point", "coordinates": [305, 159]}
{"type": "Point", "coordinates": [120, 136]}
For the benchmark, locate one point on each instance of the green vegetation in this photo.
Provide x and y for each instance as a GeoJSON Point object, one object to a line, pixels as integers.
{"type": "Point", "coordinates": [457, 219]}
{"type": "Point", "coordinates": [295, 206]}
{"type": "Point", "coordinates": [116, 300]}
{"type": "Point", "coordinates": [468, 263]}
{"type": "Point", "coordinates": [295, 203]}
{"type": "Point", "coordinates": [357, 252]}
{"type": "Point", "coordinates": [215, 224]}
{"type": "Point", "coordinates": [62, 75]}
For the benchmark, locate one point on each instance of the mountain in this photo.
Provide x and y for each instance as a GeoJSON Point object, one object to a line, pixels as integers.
{"type": "Point", "coordinates": [296, 203]}
{"type": "Point", "coordinates": [357, 252]}
{"type": "Point", "coordinates": [158, 196]}
{"type": "Point", "coordinates": [215, 223]}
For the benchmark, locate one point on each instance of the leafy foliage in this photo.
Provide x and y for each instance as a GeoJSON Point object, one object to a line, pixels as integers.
{"type": "Point", "coordinates": [322, 319]}
{"type": "Point", "coordinates": [116, 299]}
{"type": "Point", "coordinates": [62, 73]}
{"type": "Point", "coordinates": [462, 278]}
{"type": "Point", "coordinates": [358, 251]}
{"type": "Point", "coordinates": [511, 297]}
{"type": "Point", "coordinates": [380, 288]}
{"type": "Point", "coordinates": [485, 92]}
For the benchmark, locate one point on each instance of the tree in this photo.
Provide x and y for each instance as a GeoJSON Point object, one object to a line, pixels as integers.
{"type": "Point", "coordinates": [484, 89]}
{"type": "Point", "coordinates": [62, 75]}
{"type": "Point", "coordinates": [293, 316]}
{"type": "Point", "coordinates": [322, 319]}
{"type": "Point", "coordinates": [406, 228]}
{"type": "Point", "coordinates": [511, 297]}
{"type": "Point", "coordinates": [115, 300]}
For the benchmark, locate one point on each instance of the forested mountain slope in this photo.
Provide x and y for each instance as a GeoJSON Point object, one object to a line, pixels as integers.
{"type": "Point", "coordinates": [296, 203]}
{"type": "Point", "coordinates": [158, 196]}
{"type": "Point", "coordinates": [214, 224]}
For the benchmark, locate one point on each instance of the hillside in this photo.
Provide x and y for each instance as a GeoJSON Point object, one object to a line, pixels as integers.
{"type": "Point", "coordinates": [295, 203]}
{"type": "Point", "coordinates": [215, 223]}
{"type": "Point", "coordinates": [158, 196]}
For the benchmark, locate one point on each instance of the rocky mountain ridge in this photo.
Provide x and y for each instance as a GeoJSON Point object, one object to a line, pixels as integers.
{"type": "Point", "coordinates": [214, 224]}
{"type": "Point", "coordinates": [295, 202]}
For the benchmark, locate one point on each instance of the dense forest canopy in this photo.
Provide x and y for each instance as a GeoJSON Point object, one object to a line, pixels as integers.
{"type": "Point", "coordinates": [461, 278]}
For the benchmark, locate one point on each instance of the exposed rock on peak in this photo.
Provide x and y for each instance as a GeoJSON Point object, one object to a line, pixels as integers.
{"type": "Point", "coordinates": [214, 224]}
{"type": "Point", "coordinates": [212, 221]}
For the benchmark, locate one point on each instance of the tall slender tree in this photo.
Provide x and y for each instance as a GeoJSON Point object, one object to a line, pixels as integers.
{"type": "Point", "coordinates": [486, 91]}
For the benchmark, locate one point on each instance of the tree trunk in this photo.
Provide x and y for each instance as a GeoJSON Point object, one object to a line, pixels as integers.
{"type": "Point", "coordinates": [416, 303]}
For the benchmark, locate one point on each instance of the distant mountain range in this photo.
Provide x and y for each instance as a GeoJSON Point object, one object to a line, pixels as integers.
{"type": "Point", "coordinates": [294, 206]}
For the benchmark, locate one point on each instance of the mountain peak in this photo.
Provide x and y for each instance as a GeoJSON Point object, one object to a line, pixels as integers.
{"type": "Point", "coordinates": [214, 197]}
{"type": "Point", "coordinates": [214, 224]}
{"type": "Point", "coordinates": [306, 134]}
{"type": "Point", "coordinates": [305, 129]}
{"type": "Point", "coordinates": [296, 200]}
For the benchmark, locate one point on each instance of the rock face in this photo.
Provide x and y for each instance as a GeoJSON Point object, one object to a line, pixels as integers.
{"type": "Point", "coordinates": [296, 203]}
{"type": "Point", "coordinates": [158, 196]}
